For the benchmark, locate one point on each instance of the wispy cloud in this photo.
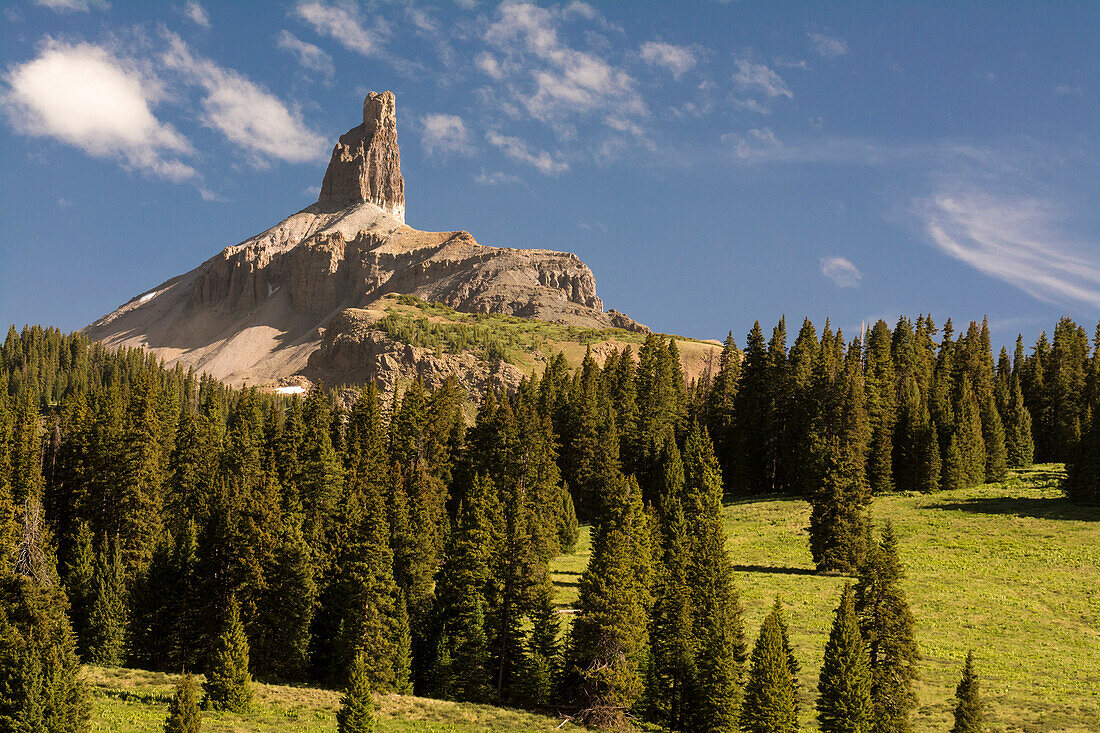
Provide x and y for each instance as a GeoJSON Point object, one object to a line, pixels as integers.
{"type": "Point", "coordinates": [309, 56]}
{"type": "Point", "coordinates": [71, 6]}
{"type": "Point", "coordinates": [342, 24]}
{"type": "Point", "coordinates": [250, 117]}
{"type": "Point", "coordinates": [445, 135]}
{"type": "Point", "coordinates": [518, 150]}
{"type": "Point", "coordinates": [758, 77]}
{"type": "Point", "coordinates": [196, 13]}
{"type": "Point", "coordinates": [85, 96]}
{"type": "Point", "coordinates": [828, 46]}
{"type": "Point", "coordinates": [756, 144]}
{"type": "Point", "coordinates": [547, 77]}
{"type": "Point", "coordinates": [676, 59]}
{"type": "Point", "coordinates": [1069, 89]}
{"type": "Point", "coordinates": [841, 271]}
{"type": "Point", "coordinates": [496, 178]}
{"type": "Point", "coordinates": [1015, 239]}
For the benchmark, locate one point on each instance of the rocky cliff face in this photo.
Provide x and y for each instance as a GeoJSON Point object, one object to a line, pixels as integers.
{"type": "Point", "coordinates": [366, 162]}
{"type": "Point", "coordinates": [258, 311]}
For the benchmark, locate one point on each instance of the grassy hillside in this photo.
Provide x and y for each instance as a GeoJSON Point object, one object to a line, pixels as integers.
{"type": "Point", "coordinates": [1009, 569]}
{"type": "Point", "coordinates": [525, 342]}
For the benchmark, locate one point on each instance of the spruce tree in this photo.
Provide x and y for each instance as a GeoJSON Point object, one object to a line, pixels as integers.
{"type": "Point", "coordinates": [80, 585]}
{"type": "Point", "coordinates": [609, 632]}
{"type": "Point", "coordinates": [356, 714]}
{"type": "Point", "coordinates": [183, 711]}
{"type": "Point", "coordinates": [463, 582]}
{"type": "Point", "coordinates": [771, 693]}
{"type": "Point", "coordinates": [886, 625]}
{"type": "Point", "coordinates": [107, 618]}
{"type": "Point", "coordinates": [993, 432]}
{"type": "Point", "coordinates": [881, 407]}
{"type": "Point", "coordinates": [838, 518]}
{"type": "Point", "coordinates": [969, 709]}
{"type": "Point", "coordinates": [287, 603]}
{"type": "Point", "coordinates": [1019, 448]}
{"type": "Point", "coordinates": [844, 702]}
{"type": "Point", "coordinates": [228, 684]}
{"type": "Point", "coordinates": [968, 434]}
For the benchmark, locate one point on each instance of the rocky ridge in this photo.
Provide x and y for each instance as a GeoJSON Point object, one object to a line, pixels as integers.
{"type": "Point", "coordinates": [290, 302]}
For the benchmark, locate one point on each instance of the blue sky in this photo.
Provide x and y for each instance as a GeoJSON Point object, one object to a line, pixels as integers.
{"type": "Point", "coordinates": [714, 163]}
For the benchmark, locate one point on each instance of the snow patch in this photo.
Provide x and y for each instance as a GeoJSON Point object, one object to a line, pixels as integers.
{"type": "Point", "coordinates": [148, 296]}
{"type": "Point", "coordinates": [290, 390]}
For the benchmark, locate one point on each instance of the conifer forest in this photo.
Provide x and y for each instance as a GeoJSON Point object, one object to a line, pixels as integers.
{"type": "Point", "coordinates": [156, 519]}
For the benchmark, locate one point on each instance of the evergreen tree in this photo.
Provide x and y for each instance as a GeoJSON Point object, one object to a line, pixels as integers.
{"type": "Point", "coordinates": [750, 416]}
{"type": "Point", "coordinates": [717, 628]}
{"type": "Point", "coordinates": [281, 629]}
{"type": "Point", "coordinates": [41, 687]}
{"type": "Point", "coordinates": [916, 445]}
{"type": "Point", "coordinates": [356, 714]}
{"type": "Point", "coordinates": [228, 684]}
{"type": "Point", "coordinates": [771, 693]}
{"type": "Point", "coordinates": [107, 618]}
{"type": "Point", "coordinates": [183, 711]}
{"type": "Point", "coordinates": [881, 407]}
{"type": "Point", "coordinates": [609, 632]}
{"type": "Point", "coordinates": [1019, 448]}
{"type": "Point", "coordinates": [993, 433]}
{"type": "Point", "coordinates": [844, 703]}
{"type": "Point", "coordinates": [463, 582]}
{"type": "Point", "coordinates": [838, 518]}
{"type": "Point", "coordinates": [721, 401]}
{"type": "Point", "coordinates": [80, 585]}
{"type": "Point", "coordinates": [886, 625]}
{"type": "Point", "coordinates": [968, 433]}
{"type": "Point", "coordinates": [1082, 482]}
{"type": "Point", "coordinates": [969, 708]}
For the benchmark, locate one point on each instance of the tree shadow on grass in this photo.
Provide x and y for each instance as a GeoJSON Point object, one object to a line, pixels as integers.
{"type": "Point", "coordinates": [774, 570]}
{"type": "Point", "coordinates": [1023, 506]}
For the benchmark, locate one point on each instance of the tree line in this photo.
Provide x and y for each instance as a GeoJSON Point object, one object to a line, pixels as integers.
{"type": "Point", "coordinates": [185, 524]}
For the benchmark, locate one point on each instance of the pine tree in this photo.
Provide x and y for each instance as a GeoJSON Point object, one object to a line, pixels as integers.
{"type": "Point", "coordinates": [80, 585]}
{"type": "Point", "coordinates": [281, 629]}
{"type": "Point", "coordinates": [107, 618]}
{"type": "Point", "coordinates": [968, 707]}
{"type": "Point", "coordinates": [356, 714]}
{"type": "Point", "coordinates": [1019, 448]}
{"type": "Point", "coordinates": [463, 581]}
{"type": "Point", "coordinates": [968, 434]}
{"type": "Point", "coordinates": [609, 632]}
{"type": "Point", "coordinates": [844, 702]}
{"type": "Point", "coordinates": [886, 625]}
{"type": "Point", "coordinates": [720, 403]}
{"type": "Point", "coordinates": [717, 627]}
{"type": "Point", "coordinates": [183, 711]}
{"type": "Point", "coordinates": [228, 684]}
{"type": "Point", "coordinates": [750, 416]}
{"type": "Point", "coordinates": [993, 433]}
{"type": "Point", "coordinates": [838, 518]}
{"type": "Point", "coordinates": [771, 694]}
{"type": "Point", "coordinates": [881, 407]}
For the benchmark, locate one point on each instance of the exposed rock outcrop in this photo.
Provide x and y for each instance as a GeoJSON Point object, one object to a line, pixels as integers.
{"type": "Point", "coordinates": [366, 163]}
{"type": "Point", "coordinates": [257, 312]}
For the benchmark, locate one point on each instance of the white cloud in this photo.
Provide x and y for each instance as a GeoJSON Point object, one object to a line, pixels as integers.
{"type": "Point", "coordinates": [248, 115]}
{"type": "Point", "coordinates": [841, 271]}
{"type": "Point", "coordinates": [78, 6]}
{"type": "Point", "coordinates": [445, 135]}
{"type": "Point", "coordinates": [1015, 239]}
{"type": "Point", "coordinates": [86, 97]}
{"type": "Point", "coordinates": [677, 59]}
{"type": "Point", "coordinates": [341, 24]}
{"type": "Point", "coordinates": [517, 149]}
{"type": "Point", "coordinates": [196, 13]}
{"type": "Point", "coordinates": [492, 66]}
{"type": "Point", "coordinates": [751, 105]}
{"type": "Point", "coordinates": [209, 195]}
{"type": "Point", "coordinates": [550, 79]}
{"type": "Point", "coordinates": [497, 178]}
{"type": "Point", "coordinates": [309, 56]}
{"type": "Point", "coordinates": [756, 144]}
{"type": "Point", "coordinates": [1067, 89]}
{"type": "Point", "coordinates": [828, 46]}
{"type": "Point", "coordinates": [751, 75]}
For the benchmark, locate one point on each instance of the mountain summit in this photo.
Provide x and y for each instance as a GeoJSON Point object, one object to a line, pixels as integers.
{"type": "Point", "coordinates": [300, 300]}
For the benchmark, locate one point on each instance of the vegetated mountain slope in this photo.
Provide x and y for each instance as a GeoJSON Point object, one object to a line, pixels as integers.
{"type": "Point", "coordinates": [1006, 569]}
{"type": "Point", "coordinates": [259, 310]}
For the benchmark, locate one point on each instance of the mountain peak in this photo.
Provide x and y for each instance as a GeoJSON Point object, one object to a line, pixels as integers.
{"type": "Point", "coordinates": [366, 162]}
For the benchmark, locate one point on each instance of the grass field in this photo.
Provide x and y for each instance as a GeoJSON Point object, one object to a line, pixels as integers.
{"type": "Point", "coordinates": [1012, 570]}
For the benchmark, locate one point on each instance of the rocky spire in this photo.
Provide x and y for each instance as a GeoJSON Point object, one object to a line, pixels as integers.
{"type": "Point", "coordinates": [366, 163]}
